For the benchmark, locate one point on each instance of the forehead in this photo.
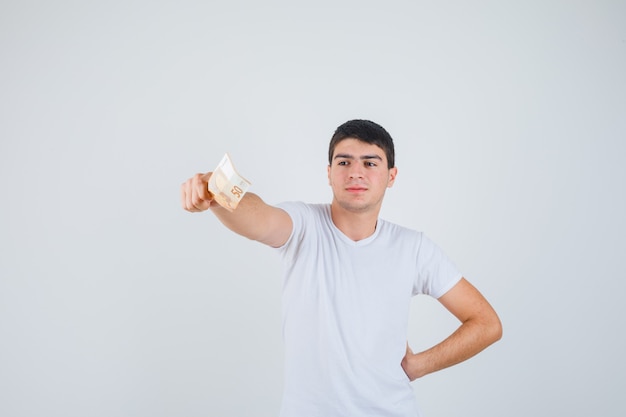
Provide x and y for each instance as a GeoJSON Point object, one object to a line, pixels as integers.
{"type": "Point", "coordinates": [357, 148]}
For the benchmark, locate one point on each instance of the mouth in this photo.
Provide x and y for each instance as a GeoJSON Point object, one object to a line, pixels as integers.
{"type": "Point", "coordinates": [356, 189]}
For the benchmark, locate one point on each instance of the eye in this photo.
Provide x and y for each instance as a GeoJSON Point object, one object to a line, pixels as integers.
{"type": "Point", "coordinates": [370, 164]}
{"type": "Point", "coordinates": [342, 163]}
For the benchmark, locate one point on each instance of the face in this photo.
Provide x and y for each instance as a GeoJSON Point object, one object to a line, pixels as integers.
{"type": "Point", "coordinates": [359, 176]}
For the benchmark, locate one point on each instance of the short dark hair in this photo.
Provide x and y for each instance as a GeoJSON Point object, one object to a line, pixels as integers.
{"type": "Point", "coordinates": [365, 131]}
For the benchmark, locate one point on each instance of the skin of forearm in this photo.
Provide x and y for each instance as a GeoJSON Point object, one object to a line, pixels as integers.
{"type": "Point", "coordinates": [247, 219]}
{"type": "Point", "coordinates": [470, 338]}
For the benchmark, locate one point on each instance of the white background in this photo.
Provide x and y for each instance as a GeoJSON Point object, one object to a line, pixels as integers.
{"type": "Point", "coordinates": [509, 120]}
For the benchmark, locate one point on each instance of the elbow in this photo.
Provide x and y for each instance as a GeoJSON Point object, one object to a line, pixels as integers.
{"type": "Point", "coordinates": [495, 330]}
{"type": "Point", "coordinates": [491, 329]}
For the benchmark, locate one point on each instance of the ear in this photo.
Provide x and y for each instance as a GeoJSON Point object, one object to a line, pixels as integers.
{"type": "Point", "coordinates": [393, 172]}
{"type": "Point", "coordinates": [328, 174]}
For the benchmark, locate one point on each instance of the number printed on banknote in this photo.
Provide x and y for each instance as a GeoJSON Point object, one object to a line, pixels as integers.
{"type": "Point", "coordinates": [226, 185]}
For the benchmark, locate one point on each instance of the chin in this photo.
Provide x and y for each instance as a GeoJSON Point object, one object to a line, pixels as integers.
{"type": "Point", "coordinates": [354, 206]}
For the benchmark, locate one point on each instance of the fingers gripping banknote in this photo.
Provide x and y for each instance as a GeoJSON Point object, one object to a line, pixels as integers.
{"type": "Point", "coordinates": [226, 185]}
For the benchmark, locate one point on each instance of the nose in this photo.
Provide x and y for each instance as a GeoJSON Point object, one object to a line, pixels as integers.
{"type": "Point", "coordinates": [356, 171]}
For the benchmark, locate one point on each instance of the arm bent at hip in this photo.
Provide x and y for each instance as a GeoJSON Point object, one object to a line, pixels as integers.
{"type": "Point", "coordinates": [480, 327]}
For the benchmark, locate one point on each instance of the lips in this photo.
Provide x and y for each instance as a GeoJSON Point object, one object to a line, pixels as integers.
{"type": "Point", "coordinates": [356, 188]}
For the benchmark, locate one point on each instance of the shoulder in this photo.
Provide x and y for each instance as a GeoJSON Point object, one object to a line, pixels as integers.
{"type": "Point", "coordinates": [305, 215]}
{"type": "Point", "coordinates": [307, 220]}
{"type": "Point", "coordinates": [299, 210]}
{"type": "Point", "coordinates": [398, 231]}
{"type": "Point", "coordinates": [410, 239]}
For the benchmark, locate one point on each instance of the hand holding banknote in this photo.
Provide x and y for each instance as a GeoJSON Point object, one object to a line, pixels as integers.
{"type": "Point", "coordinates": [223, 186]}
{"type": "Point", "coordinates": [226, 185]}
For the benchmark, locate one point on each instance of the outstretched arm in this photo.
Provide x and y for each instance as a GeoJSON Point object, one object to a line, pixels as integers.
{"type": "Point", "coordinates": [480, 327]}
{"type": "Point", "coordinates": [252, 218]}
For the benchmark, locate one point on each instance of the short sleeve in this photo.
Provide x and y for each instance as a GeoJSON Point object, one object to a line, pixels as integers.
{"type": "Point", "coordinates": [437, 274]}
{"type": "Point", "coordinates": [297, 212]}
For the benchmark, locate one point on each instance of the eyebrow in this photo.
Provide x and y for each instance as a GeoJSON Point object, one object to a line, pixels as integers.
{"type": "Point", "coordinates": [364, 157]}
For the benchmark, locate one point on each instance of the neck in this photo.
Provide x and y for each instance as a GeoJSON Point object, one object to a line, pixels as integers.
{"type": "Point", "coordinates": [354, 224]}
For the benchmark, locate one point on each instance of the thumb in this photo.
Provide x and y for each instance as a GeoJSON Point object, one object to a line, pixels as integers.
{"type": "Point", "coordinates": [205, 178]}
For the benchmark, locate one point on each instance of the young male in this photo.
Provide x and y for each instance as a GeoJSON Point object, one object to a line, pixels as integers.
{"type": "Point", "coordinates": [349, 278]}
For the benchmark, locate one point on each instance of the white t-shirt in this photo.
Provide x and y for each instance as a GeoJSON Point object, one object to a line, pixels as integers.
{"type": "Point", "coordinates": [346, 311]}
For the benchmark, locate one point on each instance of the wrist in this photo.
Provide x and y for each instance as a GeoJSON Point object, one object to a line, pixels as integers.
{"type": "Point", "coordinates": [414, 365]}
